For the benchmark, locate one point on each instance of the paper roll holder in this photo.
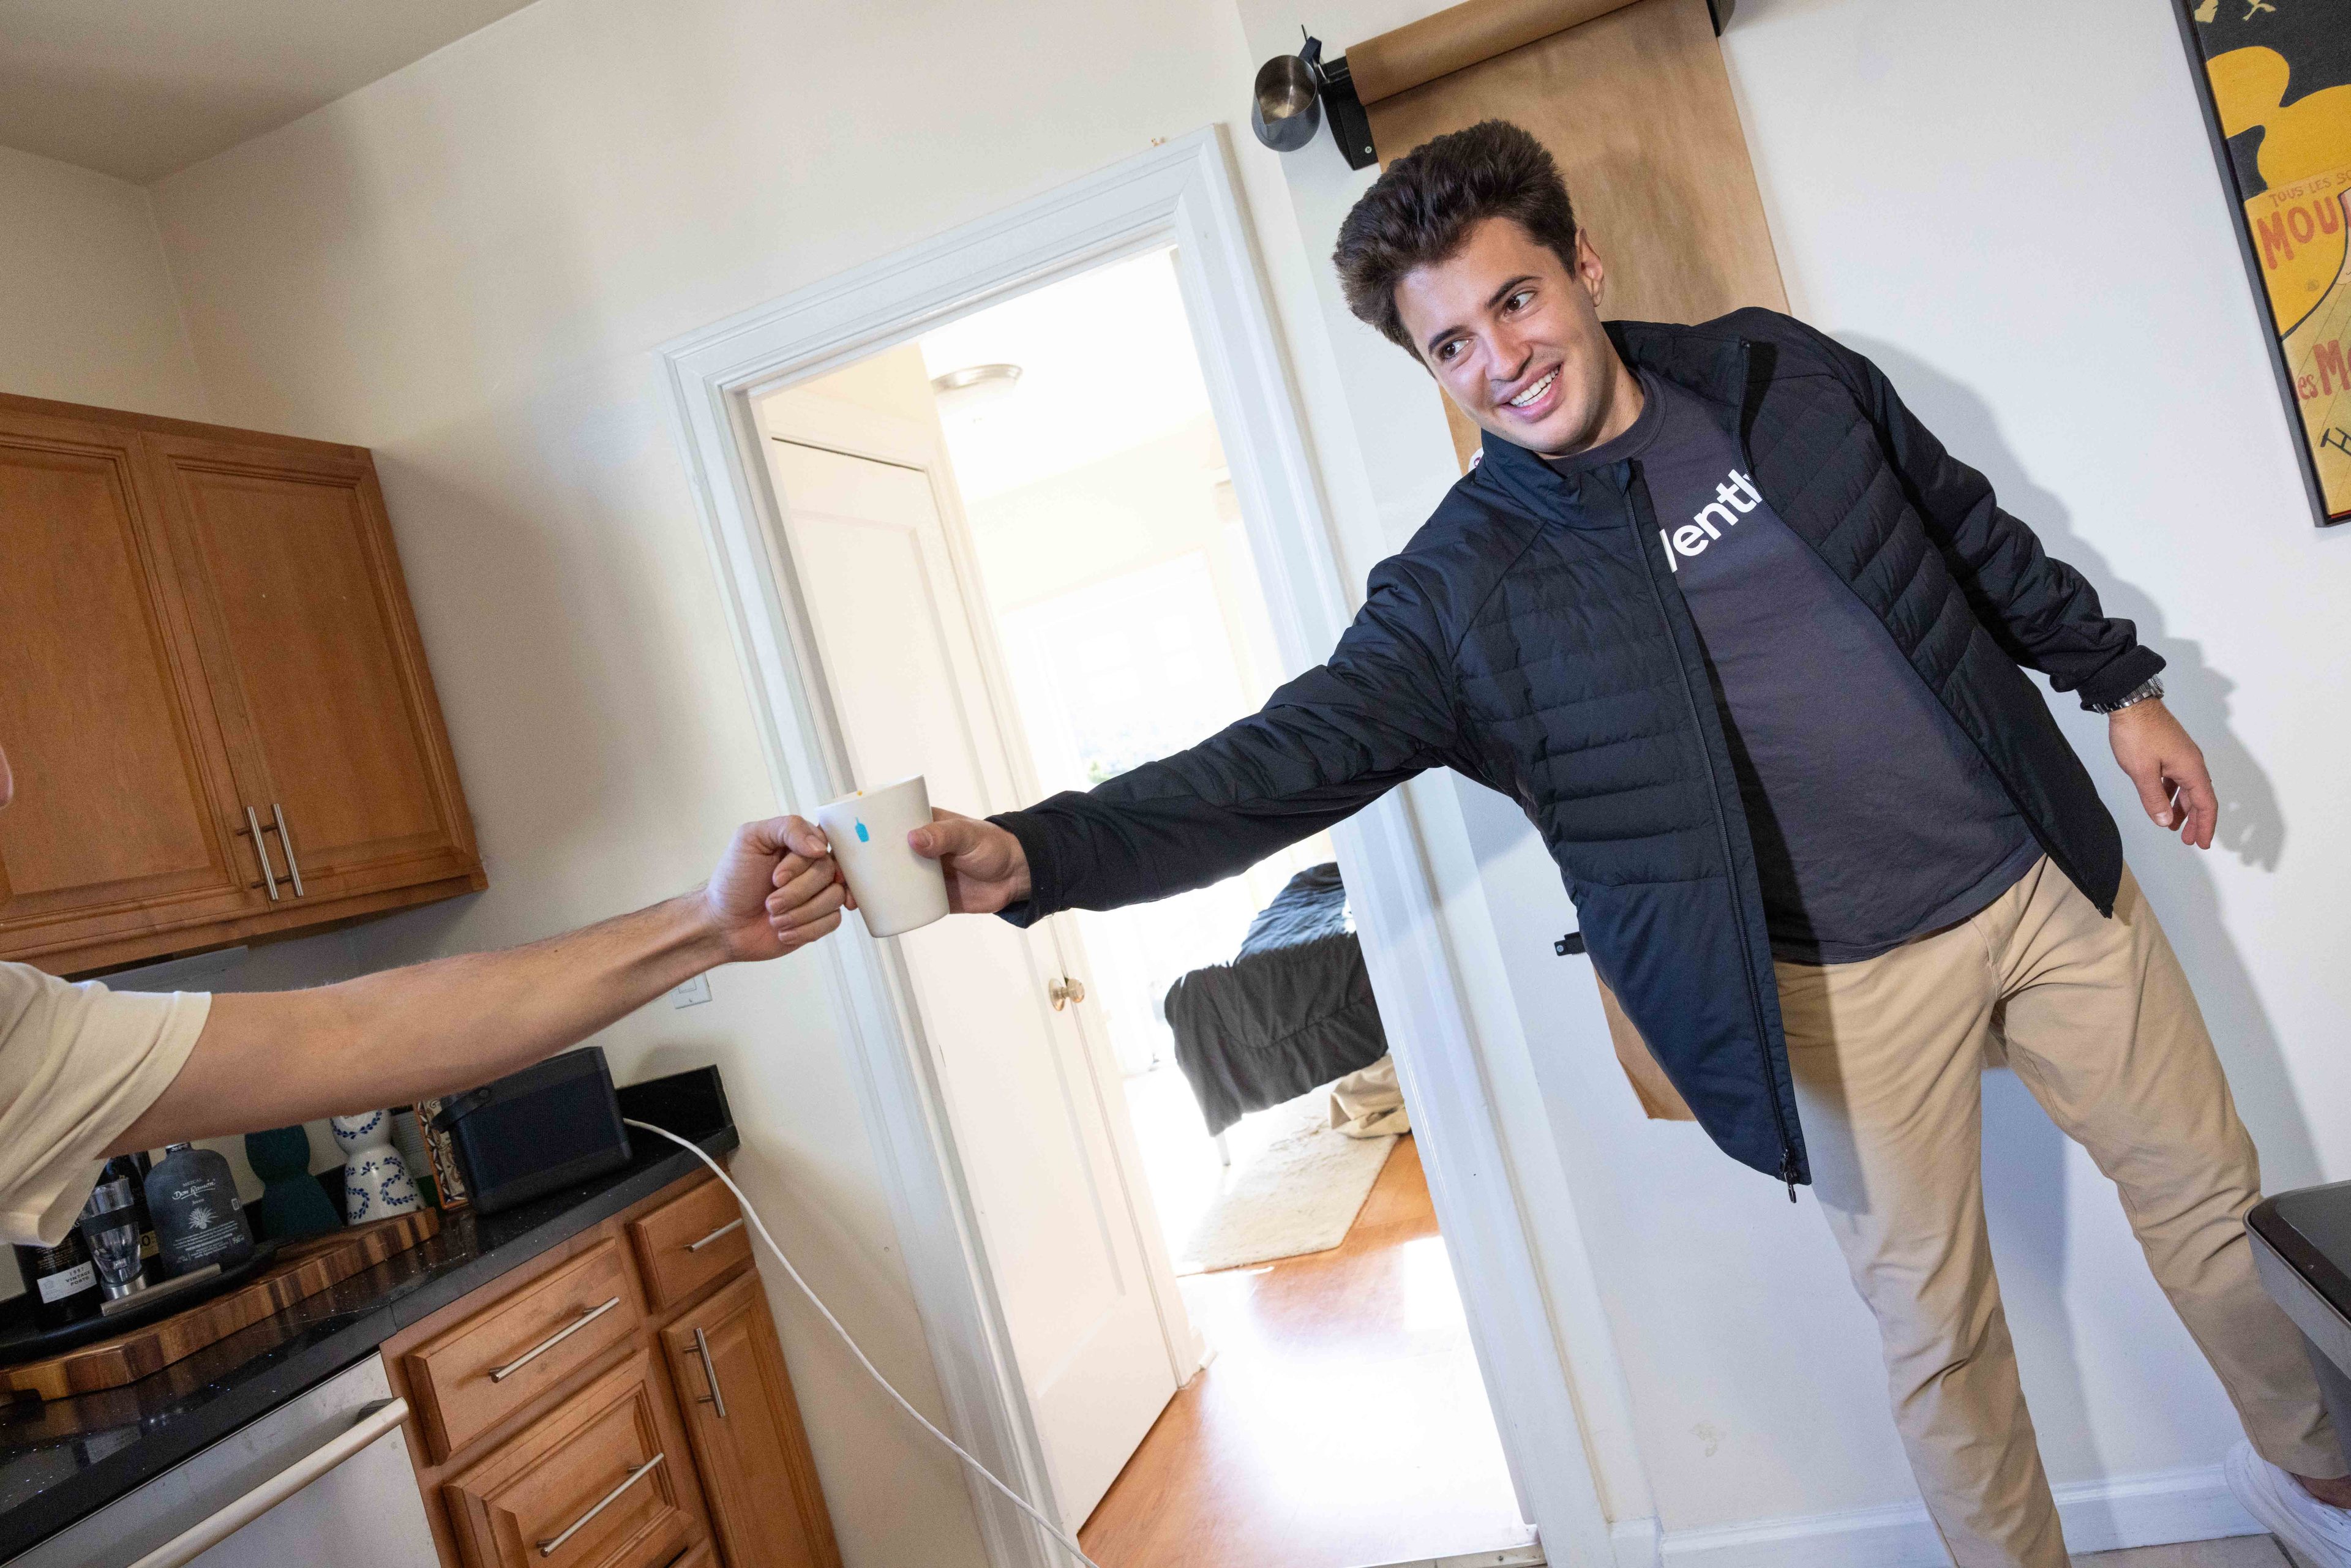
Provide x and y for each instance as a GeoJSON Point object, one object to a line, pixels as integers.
{"type": "Point", "coordinates": [1294, 93]}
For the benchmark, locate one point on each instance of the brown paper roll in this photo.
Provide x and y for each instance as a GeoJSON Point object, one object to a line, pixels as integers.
{"type": "Point", "coordinates": [1460, 36]}
{"type": "Point", "coordinates": [1660, 1100]}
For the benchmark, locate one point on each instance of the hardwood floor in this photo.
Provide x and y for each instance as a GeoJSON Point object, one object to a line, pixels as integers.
{"type": "Point", "coordinates": [1341, 1423]}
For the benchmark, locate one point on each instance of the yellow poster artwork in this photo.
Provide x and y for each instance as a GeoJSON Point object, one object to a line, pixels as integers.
{"type": "Point", "coordinates": [2280, 79]}
{"type": "Point", "coordinates": [2300, 232]}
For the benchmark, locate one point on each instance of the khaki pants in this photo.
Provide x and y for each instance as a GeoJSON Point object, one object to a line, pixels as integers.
{"type": "Point", "coordinates": [2097, 1021]}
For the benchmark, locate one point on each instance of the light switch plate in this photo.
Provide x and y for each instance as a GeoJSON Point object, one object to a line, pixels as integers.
{"type": "Point", "coordinates": [693, 993]}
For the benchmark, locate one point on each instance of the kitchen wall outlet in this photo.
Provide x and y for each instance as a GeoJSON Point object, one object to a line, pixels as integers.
{"type": "Point", "coordinates": [693, 993]}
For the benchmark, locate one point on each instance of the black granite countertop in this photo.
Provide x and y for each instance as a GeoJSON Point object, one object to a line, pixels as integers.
{"type": "Point", "coordinates": [61, 1460]}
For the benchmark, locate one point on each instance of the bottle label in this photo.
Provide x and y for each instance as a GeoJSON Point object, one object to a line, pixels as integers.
{"type": "Point", "coordinates": [197, 1245]}
{"type": "Point", "coordinates": [70, 1282]}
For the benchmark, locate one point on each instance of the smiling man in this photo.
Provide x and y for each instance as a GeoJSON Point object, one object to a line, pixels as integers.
{"type": "Point", "coordinates": [1749, 646]}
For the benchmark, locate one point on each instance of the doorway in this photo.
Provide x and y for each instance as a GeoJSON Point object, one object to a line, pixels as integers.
{"type": "Point", "coordinates": [1234, 1319]}
{"type": "Point", "coordinates": [1182, 193]}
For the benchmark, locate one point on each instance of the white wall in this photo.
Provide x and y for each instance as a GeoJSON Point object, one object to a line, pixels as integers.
{"type": "Point", "coordinates": [466, 266]}
{"type": "Point", "coordinates": [2012, 207]}
{"type": "Point", "coordinates": [87, 312]}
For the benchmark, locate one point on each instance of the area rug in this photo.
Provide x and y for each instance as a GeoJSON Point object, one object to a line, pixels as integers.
{"type": "Point", "coordinates": [1300, 1193]}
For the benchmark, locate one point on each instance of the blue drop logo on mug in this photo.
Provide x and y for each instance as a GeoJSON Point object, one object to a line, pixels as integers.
{"type": "Point", "coordinates": [862, 836]}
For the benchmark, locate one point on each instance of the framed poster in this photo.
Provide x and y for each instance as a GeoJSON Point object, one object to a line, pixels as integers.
{"type": "Point", "coordinates": [2275, 80]}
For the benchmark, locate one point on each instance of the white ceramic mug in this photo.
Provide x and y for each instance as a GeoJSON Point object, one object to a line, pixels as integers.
{"type": "Point", "coordinates": [897, 890]}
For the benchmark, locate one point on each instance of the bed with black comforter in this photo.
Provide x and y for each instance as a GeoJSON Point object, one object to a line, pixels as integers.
{"type": "Point", "coordinates": [1292, 1011]}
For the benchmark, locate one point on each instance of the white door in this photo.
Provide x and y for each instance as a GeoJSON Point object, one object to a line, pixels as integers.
{"type": "Point", "coordinates": [1036, 1115]}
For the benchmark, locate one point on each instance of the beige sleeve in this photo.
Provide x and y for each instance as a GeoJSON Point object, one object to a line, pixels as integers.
{"type": "Point", "coordinates": [78, 1063]}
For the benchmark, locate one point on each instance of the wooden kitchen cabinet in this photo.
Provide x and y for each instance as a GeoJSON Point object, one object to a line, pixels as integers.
{"type": "Point", "coordinates": [506, 1463]}
{"type": "Point", "coordinates": [492, 1364]}
{"type": "Point", "coordinates": [313, 660]}
{"type": "Point", "coordinates": [690, 1242]}
{"type": "Point", "coordinates": [729, 1369]}
{"type": "Point", "coordinates": [600, 1480]}
{"type": "Point", "coordinates": [217, 704]}
{"type": "Point", "coordinates": [126, 809]}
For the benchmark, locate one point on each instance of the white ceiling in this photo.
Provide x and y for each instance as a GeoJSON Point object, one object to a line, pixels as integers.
{"type": "Point", "coordinates": [1107, 362]}
{"type": "Point", "coordinates": [137, 88]}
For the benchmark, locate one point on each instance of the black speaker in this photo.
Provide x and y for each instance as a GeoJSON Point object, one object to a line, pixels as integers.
{"type": "Point", "coordinates": [535, 1131]}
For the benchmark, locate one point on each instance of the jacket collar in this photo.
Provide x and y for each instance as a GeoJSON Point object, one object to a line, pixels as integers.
{"type": "Point", "coordinates": [1706, 362]}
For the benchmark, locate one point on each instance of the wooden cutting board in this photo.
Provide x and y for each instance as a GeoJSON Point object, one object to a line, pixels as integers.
{"type": "Point", "coordinates": [303, 1268]}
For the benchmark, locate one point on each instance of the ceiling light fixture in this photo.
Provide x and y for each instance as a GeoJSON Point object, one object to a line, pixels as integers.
{"type": "Point", "coordinates": [973, 387]}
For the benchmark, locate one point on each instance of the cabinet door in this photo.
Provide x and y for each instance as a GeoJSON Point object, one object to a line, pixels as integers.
{"type": "Point", "coordinates": [125, 819]}
{"type": "Point", "coordinates": [765, 1505]}
{"type": "Point", "coordinates": [597, 1482]}
{"type": "Point", "coordinates": [313, 655]}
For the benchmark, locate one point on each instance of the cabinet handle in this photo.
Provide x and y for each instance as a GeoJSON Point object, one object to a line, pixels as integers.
{"type": "Point", "coordinates": [268, 874]}
{"type": "Point", "coordinates": [709, 1370]}
{"type": "Point", "coordinates": [1064, 991]}
{"type": "Point", "coordinates": [726, 1229]}
{"type": "Point", "coordinates": [501, 1374]}
{"type": "Point", "coordinates": [554, 1544]}
{"type": "Point", "coordinates": [285, 843]}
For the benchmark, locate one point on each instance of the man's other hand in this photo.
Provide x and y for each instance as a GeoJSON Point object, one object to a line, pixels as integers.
{"type": "Point", "coordinates": [987, 869]}
{"type": "Point", "coordinates": [2168, 769]}
{"type": "Point", "coordinates": [775, 889]}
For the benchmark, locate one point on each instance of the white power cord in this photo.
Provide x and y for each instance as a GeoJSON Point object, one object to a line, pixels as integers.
{"type": "Point", "coordinates": [1068, 1542]}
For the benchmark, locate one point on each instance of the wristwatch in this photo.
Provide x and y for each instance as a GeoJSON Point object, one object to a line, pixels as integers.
{"type": "Point", "coordinates": [2145, 690]}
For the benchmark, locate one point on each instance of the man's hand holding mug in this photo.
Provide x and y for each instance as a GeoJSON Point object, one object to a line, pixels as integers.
{"type": "Point", "coordinates": [986, 867]}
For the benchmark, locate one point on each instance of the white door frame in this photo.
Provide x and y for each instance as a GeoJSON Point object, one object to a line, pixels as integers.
{"type": "Point", "coordinates": [1182, 193]}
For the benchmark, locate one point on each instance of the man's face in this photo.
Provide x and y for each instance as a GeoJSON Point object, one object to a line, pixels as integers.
{"type": "Point", "coordinates": [1513, 334]}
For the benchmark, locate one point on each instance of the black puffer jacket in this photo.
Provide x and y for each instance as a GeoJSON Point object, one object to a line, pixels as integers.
{"type": "Point", "coordinates": [1531, 637]}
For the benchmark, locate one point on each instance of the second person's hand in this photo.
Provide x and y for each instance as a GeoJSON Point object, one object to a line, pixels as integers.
{"type": "Point", "coordinates": [984, 865]}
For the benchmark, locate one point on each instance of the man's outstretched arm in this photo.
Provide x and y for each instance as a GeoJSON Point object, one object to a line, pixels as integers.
{"type": "Point", "coordinates": [273, 1057]}
{"type": "Point", "coordinates": [1323, 747]}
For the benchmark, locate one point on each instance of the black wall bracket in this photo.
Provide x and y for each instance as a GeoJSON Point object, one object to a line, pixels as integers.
{"type": "Point", "coordinates": [1351, 128]}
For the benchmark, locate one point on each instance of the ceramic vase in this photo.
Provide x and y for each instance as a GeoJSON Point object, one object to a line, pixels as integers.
{"type": "Point", "coordinates": [376, 1183]}
{"type": "Point", "coordinates": [291, 1203]}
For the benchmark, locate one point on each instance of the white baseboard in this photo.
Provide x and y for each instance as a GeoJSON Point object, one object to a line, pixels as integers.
{"type": "Point", "coordinates": [2153, 1510]}
{"type": "Point", "coordinates": [1529, 1555]}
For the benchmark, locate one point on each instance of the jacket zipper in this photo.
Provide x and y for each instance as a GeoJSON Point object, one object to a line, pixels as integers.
{"type": "Point", "coordinates": [1722, 831]}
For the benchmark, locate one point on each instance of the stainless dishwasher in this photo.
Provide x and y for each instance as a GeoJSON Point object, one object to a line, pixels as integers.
{"type": "Point", "coordinates": [324, 1478]}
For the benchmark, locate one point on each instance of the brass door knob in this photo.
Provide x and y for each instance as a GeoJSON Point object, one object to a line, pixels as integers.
{"type": "Point", "coordinates": [1064, 991]}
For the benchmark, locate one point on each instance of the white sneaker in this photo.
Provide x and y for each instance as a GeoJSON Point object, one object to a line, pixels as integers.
{"type": "Point", "coordinates": [2321, 1534]}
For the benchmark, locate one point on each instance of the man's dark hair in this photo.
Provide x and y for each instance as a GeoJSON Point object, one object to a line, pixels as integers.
{"type": "Point", "coordinates": [1424, 207]}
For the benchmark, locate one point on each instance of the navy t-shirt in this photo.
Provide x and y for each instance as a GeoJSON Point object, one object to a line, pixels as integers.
{"type": "Point", "coordinates": [1875, 818]}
